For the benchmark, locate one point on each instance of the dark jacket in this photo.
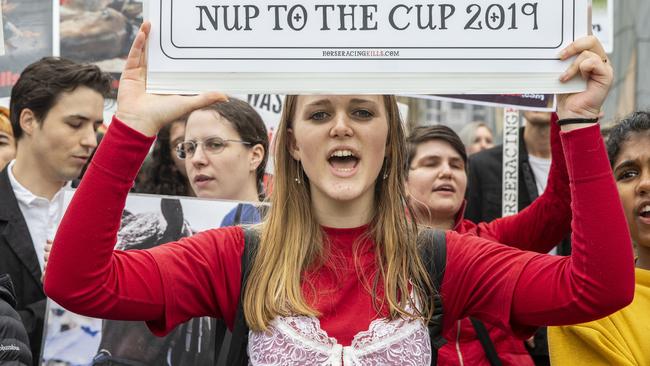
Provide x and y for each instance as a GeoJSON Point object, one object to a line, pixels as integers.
{"type": "Point", "coordinates": [484, 183]}
{"type": "Point", "coordinates": [14, 343]}
{"type": "Point", "coordinates": [484, 186]}
{"type": "Point", "coordinates": [18, 259]}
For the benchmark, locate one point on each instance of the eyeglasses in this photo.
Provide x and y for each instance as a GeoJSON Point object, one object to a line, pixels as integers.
{"type": "Point", "coordinates": [211, 145]}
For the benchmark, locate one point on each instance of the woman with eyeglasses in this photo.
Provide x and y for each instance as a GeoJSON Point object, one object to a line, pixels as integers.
{"type": "Point", "coordinates": [338, 277]}
{"type": "Point", "coordinates": [225, 151]}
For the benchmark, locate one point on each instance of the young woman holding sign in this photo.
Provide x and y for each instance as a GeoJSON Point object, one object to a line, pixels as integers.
{"type": "Point", "coordinates": [337, 277]}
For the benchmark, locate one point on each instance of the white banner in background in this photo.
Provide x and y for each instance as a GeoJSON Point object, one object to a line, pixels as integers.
{"type": "Point", "coordinates": [28, 35]}
{"type": "Point", "coordinates": [510, 199]}
{"type": "Point", "coordinates": [602, 22]}
{"type": "Point", "coordinates": [2, 33]}
{"type": "Point", "coordinates": [287, 46]}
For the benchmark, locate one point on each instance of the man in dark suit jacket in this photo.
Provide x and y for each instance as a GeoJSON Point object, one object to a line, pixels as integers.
{"type": "Point", "coordinates": [56, 107]}
{"type": "Point", "coordinates": [485, 183]}
{"type": "Point", "coordinates": [485, 173]}
{"type": "Point", "coordinates": [485, 188]}
{"type": "Point", "coordinates": [18, 258]}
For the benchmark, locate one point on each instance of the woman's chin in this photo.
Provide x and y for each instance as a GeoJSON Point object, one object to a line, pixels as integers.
{"type": "Point", "coordinates": [344, 192]}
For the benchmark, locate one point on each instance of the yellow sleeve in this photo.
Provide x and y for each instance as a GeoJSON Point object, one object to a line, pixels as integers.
{"type": "Point", "coordinates": [595, 343]}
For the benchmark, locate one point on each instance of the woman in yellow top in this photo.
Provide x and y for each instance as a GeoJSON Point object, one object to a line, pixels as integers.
{"type": "Point", "coordinates": [621, 338]}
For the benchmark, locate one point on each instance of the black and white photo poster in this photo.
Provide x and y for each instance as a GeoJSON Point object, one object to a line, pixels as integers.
{"type": "Point", "coordinates": [147, 221]}
{"type": "Point", "coordinates": [99, 32]}
{"type": "Point", "coordinates": [27, 27]}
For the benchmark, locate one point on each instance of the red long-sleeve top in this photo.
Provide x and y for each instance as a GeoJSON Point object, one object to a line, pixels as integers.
{"type": "Point", "coordinates": [538, 228]}
{"type": "Point", "coordinates": [200, 275]}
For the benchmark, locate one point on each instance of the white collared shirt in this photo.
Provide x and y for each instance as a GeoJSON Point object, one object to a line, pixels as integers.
{"type": "Point", "coordinates": [41, 215]}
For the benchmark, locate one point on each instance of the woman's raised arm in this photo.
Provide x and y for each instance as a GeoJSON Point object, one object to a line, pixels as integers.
{"type": "Point", "coordinates": [519, 289]}
{"type": "Point", "coordinates": [87, 276]}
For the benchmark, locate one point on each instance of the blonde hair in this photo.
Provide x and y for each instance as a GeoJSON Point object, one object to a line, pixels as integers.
{"type": "Point", "coordinates": [468, 133]}
{"type": "Point", "coordinates": [5, 122]}
{"type": "Point", "coordinates": [291, 238]}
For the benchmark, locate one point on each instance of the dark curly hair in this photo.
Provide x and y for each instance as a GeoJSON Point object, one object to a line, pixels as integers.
{"type": "Point", "coordinates": [635, 123]}
{"type": "Point", "coordinates": [160, 175]}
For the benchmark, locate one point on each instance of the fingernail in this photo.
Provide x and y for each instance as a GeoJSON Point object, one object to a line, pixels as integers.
{"type": "Point", "coordinates": [563, 76]}
{"type": "Point", "coordinates": [562, 54]}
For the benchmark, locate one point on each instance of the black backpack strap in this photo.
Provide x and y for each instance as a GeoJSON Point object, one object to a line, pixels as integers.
{"type": "Point", "coordinates": [433, 251]}
{"type": "Point", "coordinates": [486, 342]}
{"type": "Point", "coordinates": [238, 210]}
{"type": "Point", "coordinates": [222, 338]}
{"type": "Point", "coordinates": [237, 354]}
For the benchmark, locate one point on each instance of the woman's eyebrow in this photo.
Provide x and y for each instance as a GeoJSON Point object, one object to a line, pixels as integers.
{"type": "Point", "coordinates": [362, 101]}
{"type": "Point", "coordinates": [624, 164]}
{"type": "Point", "coordinates": [319, 102]}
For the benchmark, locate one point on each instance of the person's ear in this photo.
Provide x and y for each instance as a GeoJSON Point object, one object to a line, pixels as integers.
{"type": "Point", "coordinates": [292, 145]}
{"type": "Point", "coordinates": [28, 121]}
{"type": "Point", "coordinates": [256, 156]}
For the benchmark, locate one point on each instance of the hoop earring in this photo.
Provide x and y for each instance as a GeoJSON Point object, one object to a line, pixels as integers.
{"type": "Point", "coordinates": [298, 177]}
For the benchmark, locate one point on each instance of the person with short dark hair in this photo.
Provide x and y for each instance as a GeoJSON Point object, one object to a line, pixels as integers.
{"type": "Point", "coordinates": [56, 106]}
{"type": "Point", "coordinates": [436, 184]}
{"type": "Point", "coordinates": [225, 150]}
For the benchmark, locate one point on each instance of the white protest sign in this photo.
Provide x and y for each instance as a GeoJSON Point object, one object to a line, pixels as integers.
{"type": "Point", "coordinates": [392, 46]}
{"type": "Point", "coordinates": [602, 23]}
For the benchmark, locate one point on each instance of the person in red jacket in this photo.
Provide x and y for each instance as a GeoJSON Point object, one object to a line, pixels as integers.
{"type": "Point", "coordinates": [337, 277]}
{"type": "Point", "coordinates": [436, 184]}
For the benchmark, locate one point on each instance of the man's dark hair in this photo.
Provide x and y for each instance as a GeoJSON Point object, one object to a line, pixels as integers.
{"type": "Point", "coordinates": [250, 127]}
{"type": "Point", "coordinates": [41, 84]}
{"type": "Point", "coordinates": [634, 124]}
{"type": "Point", "coordinates": [423, 134]}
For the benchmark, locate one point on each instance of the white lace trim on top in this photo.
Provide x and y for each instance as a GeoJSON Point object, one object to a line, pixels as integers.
{"type": "Point", "coordinates": [299, 340]}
